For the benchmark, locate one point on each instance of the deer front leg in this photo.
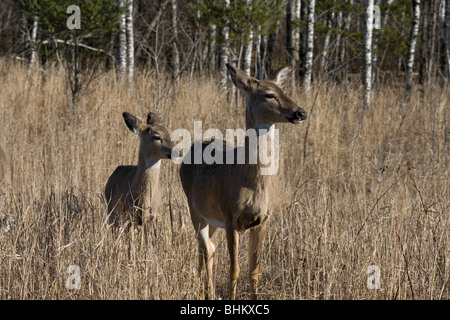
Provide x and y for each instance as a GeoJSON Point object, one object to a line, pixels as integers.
{"type": "Point", "coordinates": [206, 253]}
{"type": "Point", "coordinates": [233, 248]}
{"type": "Point", "coordinates": [254, 253]}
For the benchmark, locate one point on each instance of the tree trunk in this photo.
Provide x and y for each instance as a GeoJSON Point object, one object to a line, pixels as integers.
{"type": "Point", "coordinates": [447, 38]}
{"type": "Point", "coordinates": [258, 62]}
{"type": "Point", "coordinates": [32, 59]}
{"type": "Point", "coordinates": [130, 42]}
{"type": "Point", "coordinates": [248, 47]}
{"type": "Point", "coordinates": [175, 52]}
{"type": "Point", "coordinates": [412, 43]}
{"type": "Point", "coordinates": [33, 42]}
{"type": "Point", "coordinates": [368, 53]}
{"type": "Point", "coordinates": [224, 54]}
{"type": "Point", "coordinates": [432, 43]}
{"type": "Point", "coordinates": [293, 10]}
{"type": "Point", "coordinates": [260, 74]}
{"type": "Point", "coordinates": [444, 63]}
{"type": "Point", "coordinates": [122, 60]}
{"type": "Point", "coordinates": [309, 46]}
{"type": "Point", "coordinates": [326, 44]}
{"type": "Point", "coordinates": [271, 42]}
{"type": "Point", "coordinates": [375, 39]}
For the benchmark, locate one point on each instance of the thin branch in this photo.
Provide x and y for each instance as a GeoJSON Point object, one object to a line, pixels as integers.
{"type": "Point", "coordinates": [70, 43]}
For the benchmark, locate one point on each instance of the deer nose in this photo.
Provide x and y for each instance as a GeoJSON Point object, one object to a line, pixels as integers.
{"type": "Point", "coordinates": [301, 114]}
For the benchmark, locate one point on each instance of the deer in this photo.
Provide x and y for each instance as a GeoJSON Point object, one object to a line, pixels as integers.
{"type": "Point", "coordinates": [132, 191]}
{"type": "Point", "coordinates": [235, 197]}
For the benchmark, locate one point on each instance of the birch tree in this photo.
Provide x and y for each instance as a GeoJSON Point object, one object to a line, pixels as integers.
{"type": "Point", "coordinates": [367, 78]}
{"type": "Point", "coordinates": [34, 29]}
{"type": "Point", "coordinates": [412, 43]}
{"type": "Point", "coordinates": [122, 52]}
{"type": "Point", "coordinates": [309, 45]}
{"type": "Point", "coordinates": [175, 52]}
{"type": "Point", "coordinates": [248, 46]}
{"type": "Point", "coordinates": [223, 52]}
{"type": "Point", "coordinates": [32, 59]}
{"type": "Point", "coordinates": [130, 40]}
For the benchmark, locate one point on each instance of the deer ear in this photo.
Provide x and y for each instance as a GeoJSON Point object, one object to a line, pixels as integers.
{"type": "Point", "coordinates": [240, 79]}
{"type": "Point", "coordinates": [282, 75]}
{"type": "Point", "coordinates": [153, 118]}
{"type": "Point", "coordinates": [132, 122]}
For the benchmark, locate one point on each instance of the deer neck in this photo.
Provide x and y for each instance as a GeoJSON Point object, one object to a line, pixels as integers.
{"type": "Point", "coordinates": [146, 181]}
{"type": "Point", "coordinates": [254, 172]}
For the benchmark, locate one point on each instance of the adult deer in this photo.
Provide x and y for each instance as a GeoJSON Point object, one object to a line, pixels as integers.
{"type": "Point", "coordinates": [133, 192]}
{"type": "Point", "coordinates": [236, 196]}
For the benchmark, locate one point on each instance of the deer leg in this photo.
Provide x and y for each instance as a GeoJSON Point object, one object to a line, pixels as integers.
{"type": "Point", "coordinates": [206, 252]}
{"type": "Point", "coordinates": [254, 252]}
{"type": "Point", "coordinates": [233, 248]}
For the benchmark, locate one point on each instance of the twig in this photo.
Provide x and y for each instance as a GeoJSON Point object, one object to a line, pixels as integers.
{"type": "Point", "coordinates": [373, 208]}
{"type": "Point", "coordinates": [70, 43]}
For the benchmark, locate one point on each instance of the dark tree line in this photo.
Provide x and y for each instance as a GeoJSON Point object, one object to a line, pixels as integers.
{"type": "Point", "coordinates": [326, 40]}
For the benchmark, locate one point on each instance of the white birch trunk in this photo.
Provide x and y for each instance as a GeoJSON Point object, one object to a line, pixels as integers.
{"type": "Point", "coordinates": [412, 43]}
{"type": "Point", "coordinates": [32, 59]}
{"type": "Point", "coordinates": [374, 53]}
{"type": "Point", "coordinates": [368, 53]}
{"type": "Point", "coordinates": [309, 45]}
{"type": "Point", "coordinates": [175, 52]}
{"type": "Point", "coordinates": [248, 47]}
{"type": "Point", "coordinates": [130, 38]}
{"type": "Point", "coordinates": [224, 54]}
{"type": "Point", "coordinates": [122, 60]}
{"type": "Point", "coordinates": [248, 50]}
{"type": "Point", "coordinates": [33, 42]}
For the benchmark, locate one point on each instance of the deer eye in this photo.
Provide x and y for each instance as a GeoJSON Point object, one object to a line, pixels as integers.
{"type": "Point", "coordinates": [269, 96]}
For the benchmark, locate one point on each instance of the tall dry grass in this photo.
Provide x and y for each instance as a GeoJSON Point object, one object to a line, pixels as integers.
{"type": "Point", "coordinates": [369, 187]}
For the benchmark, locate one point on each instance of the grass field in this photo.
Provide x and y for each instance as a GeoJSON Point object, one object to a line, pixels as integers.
{"type": "Point", "coordinates": [355, 188]}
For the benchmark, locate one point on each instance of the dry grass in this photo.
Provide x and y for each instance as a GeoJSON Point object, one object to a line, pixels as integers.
{"type": "Point", "coordinates": [373, 189]}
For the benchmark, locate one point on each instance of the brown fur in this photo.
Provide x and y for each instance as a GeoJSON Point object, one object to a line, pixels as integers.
{"type": "Point", "coordinates": [236, 196]}
{"type": "Point", "coordinates": [133, 192]}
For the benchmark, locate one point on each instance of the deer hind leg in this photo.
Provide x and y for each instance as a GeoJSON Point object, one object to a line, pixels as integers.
{"type": "Point", "coordinates": [254, 254]}
{"type": "Point", "coordinates": [233, 248]}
